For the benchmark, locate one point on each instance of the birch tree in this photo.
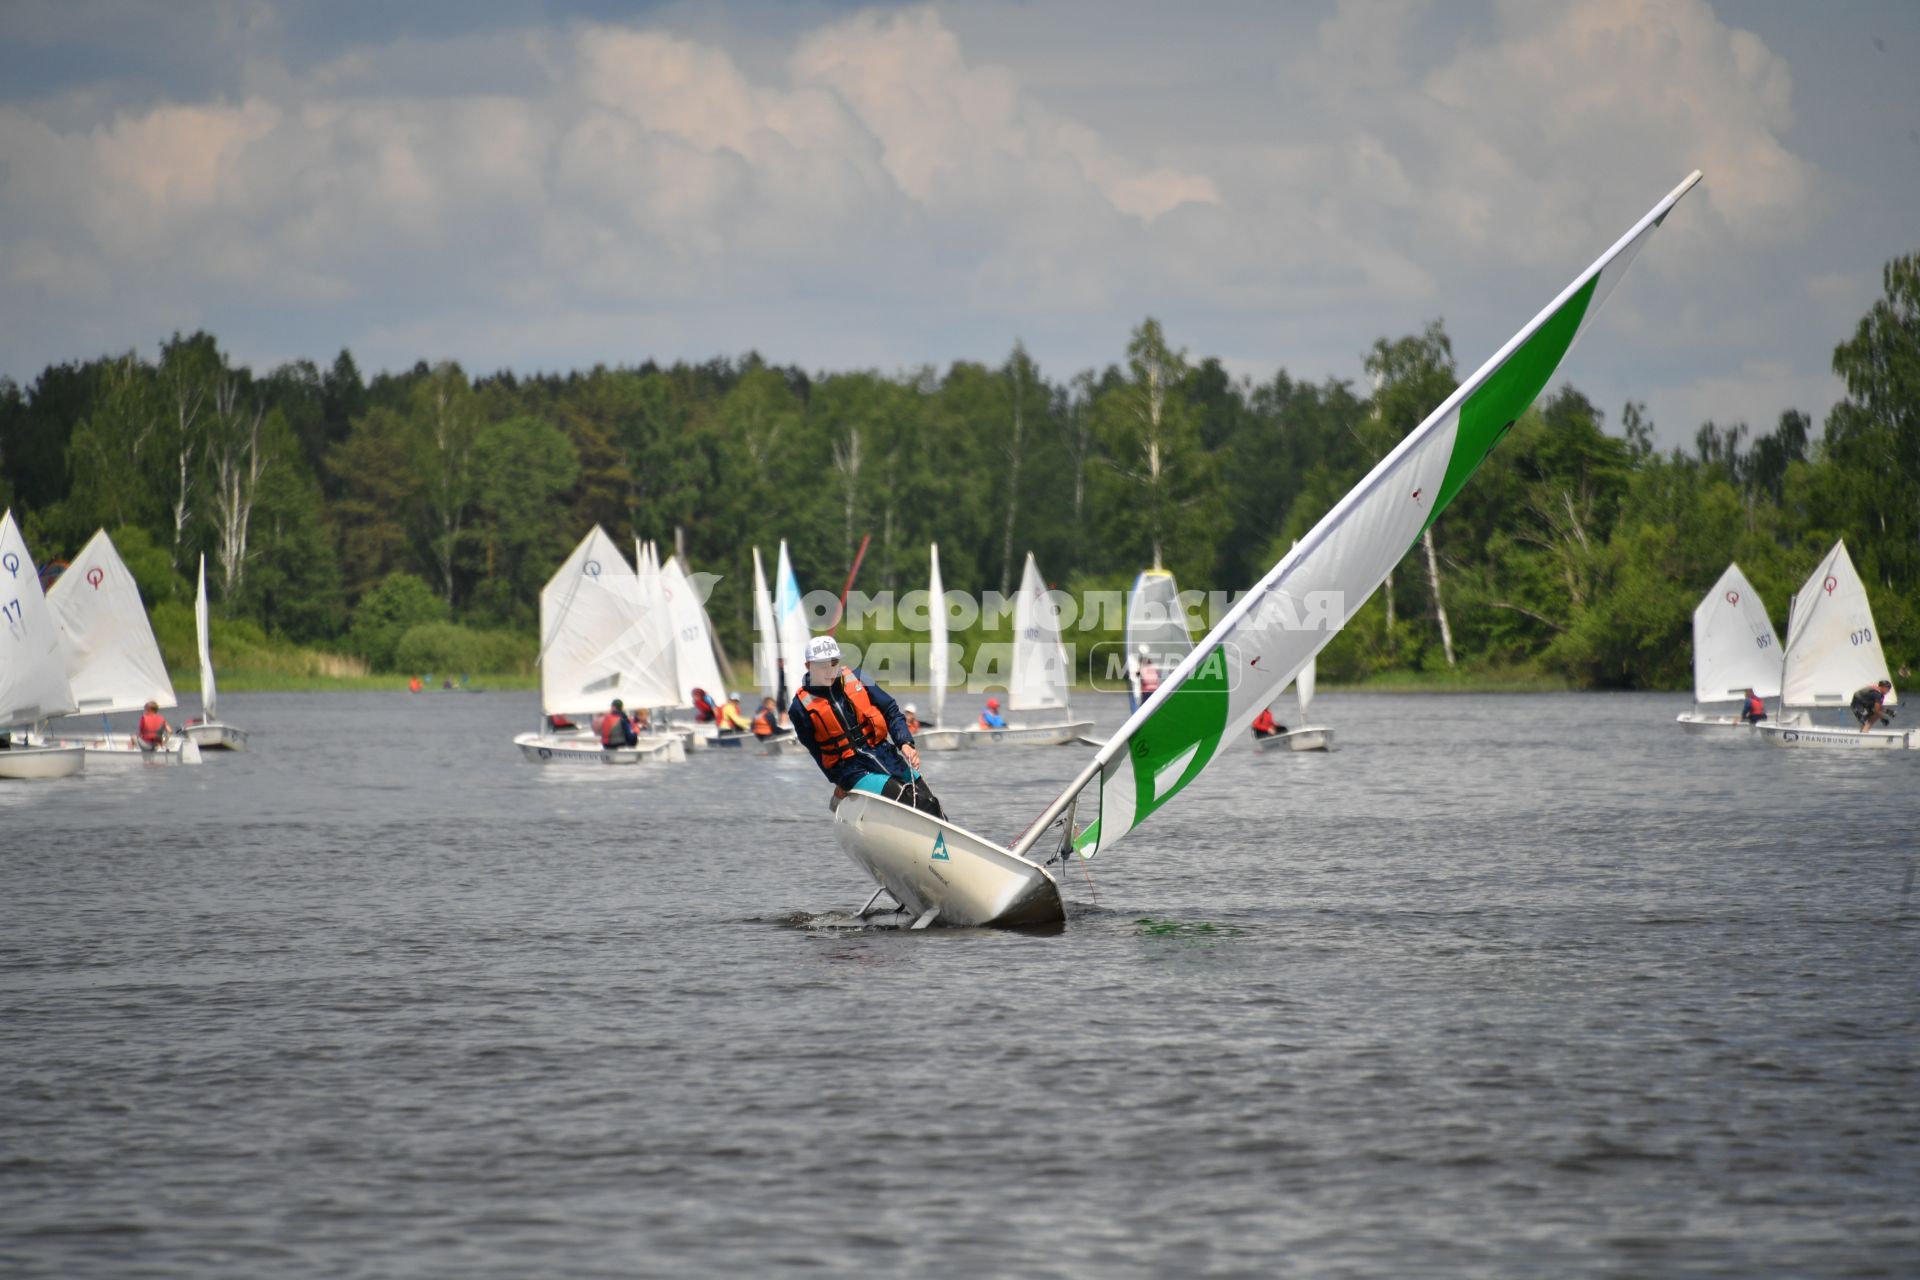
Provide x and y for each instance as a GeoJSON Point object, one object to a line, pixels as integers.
{"type": "Point", "coordinates": [444, 424]}
{"type": "Point", "coordinates": [237, 458]}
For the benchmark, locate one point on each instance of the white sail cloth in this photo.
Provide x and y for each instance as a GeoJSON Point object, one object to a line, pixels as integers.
{"type": "Point", "coordinates": [113, 661]}
{"type": "Point", "coordinates": [33, 672]}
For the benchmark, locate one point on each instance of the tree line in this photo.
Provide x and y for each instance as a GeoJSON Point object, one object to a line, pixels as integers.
{"type": "Point", "coordinates": [344, 513]}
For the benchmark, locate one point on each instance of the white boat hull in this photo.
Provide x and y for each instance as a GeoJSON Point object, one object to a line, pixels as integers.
{"type": "Point", "coordinates": [933, 866]}
{"type": "Point", "coordinates": [579, 750]}
{"type": "Point", "coordinates": [777, 743]}
{"type": "Point", "coordinates": [125, 749]}
{"type": "Point", "coordinates": [212, 735]}
{"type": "Point", "coordinates": [1836, 739]}
{"type": "Point", "coordinates": [1017, 735]}
{"type": "Point", "coordinates": [1305, 738]}
{"type": "Point", "coordinates": [27, 763]}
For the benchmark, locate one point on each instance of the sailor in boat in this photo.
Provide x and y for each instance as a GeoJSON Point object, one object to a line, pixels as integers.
{"type": "Point", "coordinates": [729, 717]}
{"type": "Point", "coordinates": [1754, 710]}
{"type": "Point", "coordinates": [1264, 725]}
{"type": "Point", "coordinates": [704, 709]}
{"type": "Point", "coordinates": [991, 717]}
{"type": "Point", "coordinates": [857, 733]}
{"type": "Point", "coordinates": [154, 729]}
{"type": "Point", "coordinates": [1869, 705]}
{"type": "Point", "coordinates": [1148, 674]}
{"type": "Point", "coordinates": [561, 724]}
{"type": "Point", "coordinates": [414, 685]}
{"type": "Point", "coordinates": [616, 729]}
{"type": "Point", "coordinates": [913, 720]}
{"type": "Point", "coordinates": [766, 721]}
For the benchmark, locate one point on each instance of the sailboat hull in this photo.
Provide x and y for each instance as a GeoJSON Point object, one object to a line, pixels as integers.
{"type": "Point", "coordinates": [1306, 738]}
{"type": "Point", "coordinates": [212, 735]}
{"type": "Point", "coordinates": [31, 763]}
{"type": "Point", "coordinates": [1836, 739]}
{"type": "Point", "coordinates": [933, 866]}
{"type": "Point", "coordinates": [580, 750]}
{"type": "Point", "coordinates": [1018, 735]}
{"type": "Point", "coordinates": [123, 749]}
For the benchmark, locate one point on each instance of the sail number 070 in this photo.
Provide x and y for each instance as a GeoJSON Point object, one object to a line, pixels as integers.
{"type": "Point", "coordinates": [1863, 636]}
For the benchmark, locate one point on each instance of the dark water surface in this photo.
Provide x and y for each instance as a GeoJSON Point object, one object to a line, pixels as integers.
{"type": "Point", "coordinates": [1528, 985]}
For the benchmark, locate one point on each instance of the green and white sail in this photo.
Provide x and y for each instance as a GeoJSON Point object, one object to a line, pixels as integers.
{"type": "Point", "coordinates": [1275, 629]}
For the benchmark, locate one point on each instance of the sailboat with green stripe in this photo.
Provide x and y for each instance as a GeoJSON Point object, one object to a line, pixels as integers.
{"type": "Point", "coordinates": [1213, 696]}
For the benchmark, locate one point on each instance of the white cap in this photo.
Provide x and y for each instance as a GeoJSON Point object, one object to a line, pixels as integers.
{"type": "Point", "coordinates": [1143, 651]}
{"type": "Point", "coordinates": [733, 697]}
{"type": "Point", "coordinates": [823, 649]}
{"type": "Point", "coordinates": [910, 710]}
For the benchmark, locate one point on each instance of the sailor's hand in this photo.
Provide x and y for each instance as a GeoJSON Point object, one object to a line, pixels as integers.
{"type": "Point", "coordinates": [911, 755]}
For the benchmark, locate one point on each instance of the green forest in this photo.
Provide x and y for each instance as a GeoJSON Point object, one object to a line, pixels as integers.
{"type": "Point", "coordinates": [406, 522]}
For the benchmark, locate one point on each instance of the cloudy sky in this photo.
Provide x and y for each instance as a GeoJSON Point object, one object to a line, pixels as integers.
{"type": "Point", "coordinates": [547, 186]}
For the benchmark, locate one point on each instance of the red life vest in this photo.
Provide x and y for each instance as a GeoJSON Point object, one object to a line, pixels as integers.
{"type": "Point", "coordinates": [1263, 723]}
{"type": "Point", "coordinates": [610, 726]}
{"type": "Point", "coordinates": [829, 735]}
{"type": "Point", "coordinates": [764, 725]}
{"type": "Point", "coordinates": [1755, 707]}
{"type": "Point", "coordinates": [153, 728]}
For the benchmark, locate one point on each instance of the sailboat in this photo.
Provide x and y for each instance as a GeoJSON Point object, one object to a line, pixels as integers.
{"type": "Point", "coordinates": [695, 664]}
{"type": "Point", "coordinates": [944, 873]}
{"type": "Point", "coordinates": [1040, 678]}
{"type": "Point", "coordinates": [790, 621]}
{"type": "Point", "coordinates": [935, 734]}
{"type": "Point", "coordinates": [33, 669]}
{"type": "Point", "coordinates": [1156, 634]}
{"type": "Point", "coordinates": [1734, 649]}
{"type": "Point", "coordinates": [1303, 736]}
{"type": "Point", "coordinates": [766, 657]}
{"type": "Point", "coordinates": [113, 661]}
{"type": "Point", "coordinates": [1832, 650]}
{"type": "Point", "coordinates": [209, 732]}
{"type": "Point", "coordinates": [595, 646]}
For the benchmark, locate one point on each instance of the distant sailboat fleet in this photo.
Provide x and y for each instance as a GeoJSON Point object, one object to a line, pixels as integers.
{"type": "Point", "coordinates": [1832, 658]}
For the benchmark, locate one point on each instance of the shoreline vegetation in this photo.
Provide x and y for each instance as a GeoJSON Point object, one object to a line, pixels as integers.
{"type": "Point", "coordinates": [410, 519]}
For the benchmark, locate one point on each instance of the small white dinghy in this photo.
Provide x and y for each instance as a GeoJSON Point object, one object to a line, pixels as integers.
{"type": "Point", "coordinates": [1832, 650]}
{"type": "Point", "coordinates": [113, 661]}
{"type": "Point", "coordinates": [1040, 680]}
{"type": "Point", "coordinates": [1734, 649]}
{"type": "Point", "coordinates": [33, 670]}
{"type": "Point", "coordinates": [595, 646]}
{"type": "Point", "coordinates": [209, 732]}
{"type": "Point", "coordinates": [1307, 737]}
{"type": "Point", "coordinates": [946, 875]}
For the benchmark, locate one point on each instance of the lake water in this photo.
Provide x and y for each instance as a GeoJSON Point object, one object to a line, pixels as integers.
{"type": "Point", "coordinates": [1510, 985]}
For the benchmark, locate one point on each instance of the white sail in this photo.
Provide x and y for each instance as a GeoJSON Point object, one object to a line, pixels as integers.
{"type": "Point", "coordinates": [790, 616]}
{"type": "Point", "coordinates": [33, 672]}
{"type": "Point", "coordinates": [655, 632]}
{"type": "Point", "coordinates": [1734, 645]}
{"type": "Point", "coordinates": [1040, 679]}
{"type": "Point", "coordinates": [594, 645]}
{"type": "Point", "coordinates": [113, 661]}
{"type": "Point", "coordinates": [207, 692]}
{"type": "Point", "coordinates": [1303, 689]}
{"type": "Point", "coordinates": [1833, 648]}
{"type": "Point", "coordinates": [937, 639]}
{"type": "Point", "coordinates": [693, 660]}
{"type": "Point", "coordinates": [766, 640]}
{"type": "Point", "coordinates": [1156, 620]}
{"type": "Point", "coordinates": [1300, 604]}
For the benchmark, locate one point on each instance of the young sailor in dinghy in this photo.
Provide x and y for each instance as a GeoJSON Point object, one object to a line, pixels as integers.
{"type": "Point", "coordinates": [616, 730]}
{"type": "Point", "coordinates": [729, 717]}
{"type": "Point", "coordinates": [766, 721]}
{"type": "Point", "coordinates": [154, 729]}
{"type": "Point", "coordinates": [1754, 710]}
{"type": "Point", "coordinates": [991, 717]}
{"type": "Point", "coordinates": [1264, 725]}
{"type": "Point", "coordinates": [1869, 705]}
{"type": "Point", "coordinates": [856, 732]}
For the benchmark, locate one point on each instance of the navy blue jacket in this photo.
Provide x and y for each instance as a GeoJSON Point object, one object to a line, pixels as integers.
{"type": "Point", "coordinates": [881, 759]}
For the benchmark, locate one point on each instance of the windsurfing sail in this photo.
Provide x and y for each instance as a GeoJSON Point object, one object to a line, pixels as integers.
{"type": "Point", "coordinates": [790, 617]}
{"type": "Point", "coordinates": [695, 666]}
{"type": "Point", "coordinates": [594, 645]}
{"type": "Point", "coordinates": [200, 631]}
{"type": "Point", "coordinates": [1157, 623]}
{"type": "Point", "coordinates": [1040, 678]}
{"type": "Point", "coordinates": [1734, 645]}
{"type": "Point", "coordinates": [33, 674]}
{"type": "Point", "coordinates": [113, 661]}
{"type": "Point", "coordinates": [1270, 633]}
{"type": "Point", "coordinates": [937, 668]}
{"type": "Point", "coordinates": [766, 647]}
{"type": "Point", "coordinates": [1832, 646]}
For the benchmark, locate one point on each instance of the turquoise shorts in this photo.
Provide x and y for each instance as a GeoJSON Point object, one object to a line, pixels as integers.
{"type": "Point", "coordinates": [874, 783]}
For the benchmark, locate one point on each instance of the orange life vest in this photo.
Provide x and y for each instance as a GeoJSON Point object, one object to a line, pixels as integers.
{"type": "Point", "coordinates": [829, 735]}
{"type": "Point", "coordinates": [153, 727]}
{"type": "Point", "coordinates": [764, 725]}
{"type": "Point", "coordinates": [913, 724]}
